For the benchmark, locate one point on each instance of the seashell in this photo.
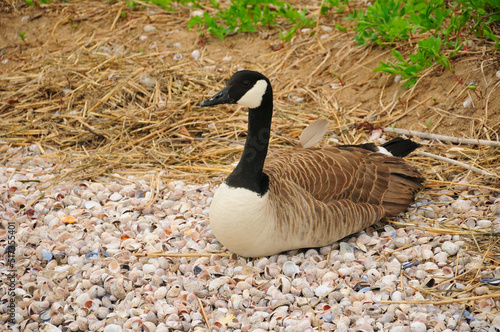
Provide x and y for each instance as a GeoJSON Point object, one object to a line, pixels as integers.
{"type": "Point", "coordinates": [322, 290]}
{"type": "Point", "coordinates": [345, 248]}
{"type": "Point", "coordinates": [115, 197]}
{"type": "Point", "coordinates": [483, 223]}
{"type": "Point", "coordinates": [45, 315]}
{"type": "Point", "coordinates": [345, 271]}
{"type": "Point", "coordinates": [271, 271]}
{"type": "Point", "coordinates": [131, 245]}
{"type": "Point", "coordinates": [113, 328]}
{"type": "Point", "coordinates": [117, 289]}
{"type": "Point", "coordinates": [150, 327]}
{"type": "Point", "coordinates": [149, 28]}
{"type": "Point", "coordinates": [481, 290]}
{"type": "Point", "coordinates": [461, 205]}
{"type": "Point", "coordinates": [408, 265]}
{"type": "Point", "coordinates": [290, 269]}
{"type": "Point", "coordinates": [95, 324]}
{"type": "Point", "coordinates": [92, 254]}
{"type": "Point", "coordinates": [92, 205]}
{"type": "Point", "coordinates": [82, 299]}
{"type": "Point", "coordinates": [195, 54]}
{"type": "Point", "coordinates": [242, 285]}
{"type": "Point", "coordinates": [396, 296]}
{"type": "Point", "coordinates": [148, 268]}
{"type": "Point", "coordinates": [46, 255]}
{"type": "Point", "coordinates": [467, 103]}
{"type": "Point", "coordinates": [174, 291]}
{"type": "Point", "coordinates": [38, 307]}
{"type": "Point", "coordinates": [399, 242]}
{"type": "Point", "coordinates": [440, 258]}
{"type": "Point", "coordinates": [114, 266]}
{"type": "Point", "coordinates": [448, 272]}
{"type": "Point", "coordinates": [218, 282]}
{"type": "Point", "coordinates": [450, 248]}
{"type": "Point", "coordinates": [393, 267]}
{"type": "Point", "coordinates": [47, 327]}
{"type": "Point", "coordinates": [82, 323]}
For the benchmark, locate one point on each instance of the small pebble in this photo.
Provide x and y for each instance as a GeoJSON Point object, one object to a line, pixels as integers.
{"type": "Point", "coordinates": [149, 28]}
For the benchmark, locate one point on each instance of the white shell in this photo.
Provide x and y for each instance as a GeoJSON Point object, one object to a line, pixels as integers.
{"type": "Point", "coordinates": [450, 248]}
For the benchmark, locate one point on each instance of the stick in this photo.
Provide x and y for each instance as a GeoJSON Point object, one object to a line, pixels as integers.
{"type": "Point", "coordinates": [203, 313]}
{"type": "Point", "coordinates": [442, 137]}
{"type": "Point", "coordinates": [323, 297]}
{"type": "Point", "coordinates": [452, 183]}
{"type": "Point", "coordinates": [464, 299]}
{"type": "Point", "coordinates": [457, 163]}
{"type": "Point", "coordinates": [176, 254]}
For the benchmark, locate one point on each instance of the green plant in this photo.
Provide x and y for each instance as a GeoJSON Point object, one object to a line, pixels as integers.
{"type": "Point", "coordinates": [448, 23]}
{"type": "Point", "coordinates": [339, 4]}
{"type": "Point", "coordinates": [383, 22]}
{"type": "Point", "coordinates": [33, 3]}
{"type": "Point", "coordinates": [246, 15]}
{"type": "Point", "coordinates": [482, 14]}
{"type": "Point", "coordinates": [21, 35]}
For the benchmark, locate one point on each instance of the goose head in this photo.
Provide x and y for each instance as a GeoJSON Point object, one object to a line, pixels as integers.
{"type": "Point", "coordinates": [246, 88]}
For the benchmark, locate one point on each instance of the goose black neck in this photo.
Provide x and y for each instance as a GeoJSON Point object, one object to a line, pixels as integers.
{"type": "Point", "coordinates": [248, 174]}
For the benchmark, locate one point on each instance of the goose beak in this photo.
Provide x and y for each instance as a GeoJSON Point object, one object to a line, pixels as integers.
{"type": "Point", "coordinates": [221, 97]}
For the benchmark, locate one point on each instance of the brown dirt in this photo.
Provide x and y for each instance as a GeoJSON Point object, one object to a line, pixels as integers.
{"type": "Point", "coordinates": [98, 56]}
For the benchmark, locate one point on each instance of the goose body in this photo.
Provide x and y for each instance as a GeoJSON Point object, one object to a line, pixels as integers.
{"type": "Point", "coordinates": [302, 197]}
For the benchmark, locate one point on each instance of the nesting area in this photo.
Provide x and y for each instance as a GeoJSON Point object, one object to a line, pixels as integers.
{"type": "Point", "coordinates": [108, 166]}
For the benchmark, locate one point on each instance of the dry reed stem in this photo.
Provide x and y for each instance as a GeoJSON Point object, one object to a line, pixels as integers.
{"type": "Point", "coordinates": [442, 302]}
{"type": "Point", "coordinates": [174, 254]}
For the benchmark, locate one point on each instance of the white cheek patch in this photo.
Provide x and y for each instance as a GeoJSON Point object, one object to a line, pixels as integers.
{"type": "Point", "coordinates": [253, 97]}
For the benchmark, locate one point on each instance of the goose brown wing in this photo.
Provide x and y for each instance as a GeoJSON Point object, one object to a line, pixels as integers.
{"type": "Point", "coordinates": [349, 173]}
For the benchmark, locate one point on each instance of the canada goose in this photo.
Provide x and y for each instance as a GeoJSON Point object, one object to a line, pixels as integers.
{"type": "Point", "coordinates": [302, 197]}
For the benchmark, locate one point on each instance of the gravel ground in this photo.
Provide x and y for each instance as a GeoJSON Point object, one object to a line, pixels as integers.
{"type": "Point", "coordinates": [76, 269]}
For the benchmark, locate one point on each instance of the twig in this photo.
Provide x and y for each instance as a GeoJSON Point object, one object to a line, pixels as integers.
{"type": "Point", "coordinates": [463, 299]}
{"type": "Point", "coordinates": [457, 163]}
{"type": "Point", "coordinates": [322, 297]}
{"type": "Point", "coordinates": [176, 254]}
{"type": "Point", "coordinates": [203, 313]}
{"type": "Point", "coordinates": [452, 183]}
{"type": "Point", "coordinates": [442, 137]}
{"type": "Point", "coordinates": [411, 109]}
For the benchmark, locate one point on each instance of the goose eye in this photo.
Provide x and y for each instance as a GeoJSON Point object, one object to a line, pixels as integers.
{"type": "Point", "coordinates": [246, 83]}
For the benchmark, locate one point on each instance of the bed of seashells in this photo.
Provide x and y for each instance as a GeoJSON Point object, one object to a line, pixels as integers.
{"type": "Point", "coordinates": [76, 268]}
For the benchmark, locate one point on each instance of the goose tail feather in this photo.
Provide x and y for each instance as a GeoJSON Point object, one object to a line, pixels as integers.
{"type": "Point", "coordinates": [400, 147]}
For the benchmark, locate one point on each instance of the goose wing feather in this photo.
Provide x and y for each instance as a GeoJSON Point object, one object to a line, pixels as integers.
{"type": "Point", "coordinates": [354, 175]}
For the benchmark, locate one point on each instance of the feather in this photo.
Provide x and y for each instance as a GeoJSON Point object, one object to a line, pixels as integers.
{"type": "Point", "coordinates": [313, 133]}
